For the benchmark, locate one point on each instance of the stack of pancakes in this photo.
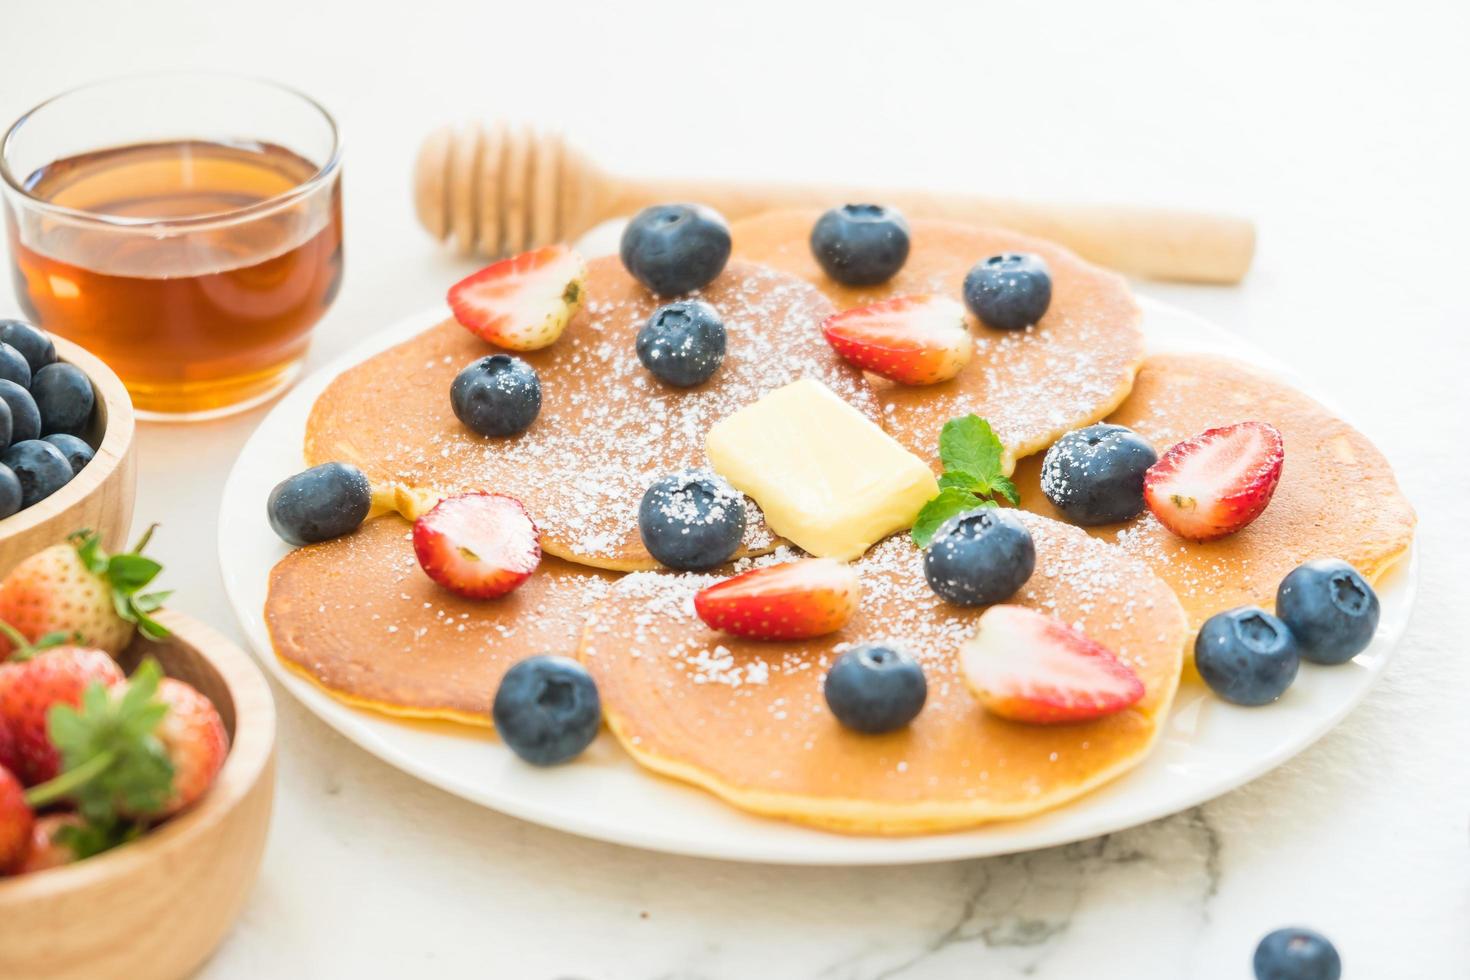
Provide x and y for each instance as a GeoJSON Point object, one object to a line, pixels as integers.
{"type": "Point", "coordinates": [745, 719]}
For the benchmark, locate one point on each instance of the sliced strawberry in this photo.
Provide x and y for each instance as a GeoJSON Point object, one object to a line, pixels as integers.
{"type": "Point", "coordinates": [914, 340]}
{"type": "Point", "coordinates": [523, 302]}
{"type": "Point", "coordinates": [1216, 483]}
{"type": "Point", "coordinates": [793, 601]}
{"type": "Point", "coordinates": [1027, 666]}
{"type": "Point", "coordinates": [479, 545]}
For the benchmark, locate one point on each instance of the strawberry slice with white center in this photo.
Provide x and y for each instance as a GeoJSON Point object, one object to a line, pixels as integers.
{"type": "Point", "coordinates": [1217, 482]}
{"type": "Point", "coordinates": [793, 601]}
{"type": "Point", "coordinates": [478, 545]}
{"type": "Point", "coordinates": [1027, 666]}
{"type": "Point", "coordinates": [523, 302]}
{"type": "Point", "coordinates": [914, 340]}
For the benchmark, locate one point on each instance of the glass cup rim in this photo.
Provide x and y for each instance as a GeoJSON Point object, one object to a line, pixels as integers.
{"type": "Point", "coordinates": [323, 174]}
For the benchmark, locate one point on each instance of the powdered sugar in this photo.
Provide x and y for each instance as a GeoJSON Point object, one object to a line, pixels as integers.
{"type": "Point", "coordinates": [1087, 582]}
{"type": "Point", "coordinates": [607, 428]}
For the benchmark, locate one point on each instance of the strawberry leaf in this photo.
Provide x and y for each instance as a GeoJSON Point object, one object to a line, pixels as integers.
{"type": "Point", "coordinates": [113, 765]}
{"type": "Point", "coordinates": [951, 501]}
{"type": "Point", "coordinates": [89, 549]}
{"type": "Point", "coordinates": [150, 627]}
{"type": "Point", "coordinates": [55, 638]}
{"type": "Point", "coordinates": [152, 601]}
{"type": "Point", "coordinates": [90, 839]}
{"type": "Point", "coordinates": [145, 538]}
{"type": "Point", "coordinates": [129, 573]}
{"type": "Point", "coordinates": [126, 575]}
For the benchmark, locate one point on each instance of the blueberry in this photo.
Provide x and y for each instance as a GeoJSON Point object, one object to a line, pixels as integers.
{"type": "Point", "coordinates": [498, 395]}
{"type": "Point", "coordinates": [25, 418]}
{"type": "Point", "coordinates": [1095, 475]}
{"type": "Point", "coordinates": [861, 244]}
{"type": "Point", "coordinates": [64, 398]}
{"type": "Point", "coordinates": [326, 501]}
{"type": "Point", "coordinates": [1330, 609]}
{"type": "Point", "coordinates": [14, 366]}
{"type": "Point", "coordinates": [75, 449]}
{"type": "Point", "coordinates": [875, 689]}
{"type": "Point", "coordinates": [6, 423]}
{"type": "Point", "coordinates": [979, 557]}
{"type": "Point", "coordinates": [1008, 292]}
{"type": "Point", "coordinates": [547, 710]}
{"type": "Point", "coordinates": [691, 520]}
{"type": "Point", "coordinates": [675, 248]}
{"type": "Point", "coordinates": [40, 467]}
{"type": "Point", "coordinates": [683, 343]}
{"type": "Point", "coordinates": [11, 494]}
{"type": "Point", "coordinates": [33, 344]}
{"type": "Point", "coordinates": [1246, 655]}
{"type": "Point", "coordinates": [1296, 954]}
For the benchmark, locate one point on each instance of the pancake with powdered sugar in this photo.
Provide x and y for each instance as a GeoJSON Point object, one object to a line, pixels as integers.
{"type": "Point", "coordinates": [607, 427]}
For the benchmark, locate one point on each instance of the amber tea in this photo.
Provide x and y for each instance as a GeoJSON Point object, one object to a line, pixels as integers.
{"type": "Point", "coordinates": [213, 311]}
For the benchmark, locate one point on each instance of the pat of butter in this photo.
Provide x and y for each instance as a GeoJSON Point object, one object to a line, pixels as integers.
{"type": "Point", "coordinates": [826, 478]}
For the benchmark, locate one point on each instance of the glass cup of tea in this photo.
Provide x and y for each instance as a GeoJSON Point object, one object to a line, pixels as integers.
{"type": "Point", "coordinates": [186, 227]}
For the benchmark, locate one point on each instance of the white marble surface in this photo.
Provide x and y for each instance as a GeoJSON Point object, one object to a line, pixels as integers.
{"type": "Point", "coordinates": [1339, 127]}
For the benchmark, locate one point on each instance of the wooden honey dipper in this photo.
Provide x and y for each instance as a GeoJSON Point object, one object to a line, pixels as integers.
{"type": "Point", "coordinates": [497, 189]}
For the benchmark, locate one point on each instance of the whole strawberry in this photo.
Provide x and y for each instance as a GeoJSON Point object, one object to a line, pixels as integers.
{"type": "Point", "coordinates": [8, 758]}
{"type": "Point", "coordinates": [49, 848]}
{"type": "Point", "coordinates": [77, 589]}
{"type": "Point", "coordinates": [16, 821]}
{"type": "Point", "coordinates": [194, 738]}
{"type": "Point", "coordinates": [138, 752]}
{"type": "Point", "coordinates": [28, 689]}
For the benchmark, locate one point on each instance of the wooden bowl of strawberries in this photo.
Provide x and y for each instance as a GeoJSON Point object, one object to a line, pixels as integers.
{"type": "Point", "coordinates": [136, 772]}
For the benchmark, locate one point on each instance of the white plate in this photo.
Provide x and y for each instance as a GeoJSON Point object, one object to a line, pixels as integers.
{"type": "Point", "coordinates": [1208, 747]}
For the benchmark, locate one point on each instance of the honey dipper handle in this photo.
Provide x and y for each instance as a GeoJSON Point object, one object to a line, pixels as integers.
{"type": "Point", "coordinates": [497, 189]}
{"type": "Point", "coordinates": [1153, 243]}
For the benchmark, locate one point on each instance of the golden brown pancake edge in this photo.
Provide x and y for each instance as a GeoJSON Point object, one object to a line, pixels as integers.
{"type": "Point", "coordinates": [1337, 498]}
{"type": "Point", "coordinates": [359, 618]}
{"type": "Point", "coordinates": [709, 739]}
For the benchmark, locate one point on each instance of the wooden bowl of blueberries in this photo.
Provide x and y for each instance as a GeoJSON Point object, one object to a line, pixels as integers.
{"type": "Point", "coordinates": [66, 428]}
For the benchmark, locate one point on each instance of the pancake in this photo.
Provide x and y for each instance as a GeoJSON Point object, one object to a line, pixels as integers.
{"type": "Point", "coordinates": [357, 616]}
{"type": "Point", "coordinates": [1337, 496]}
{"type": "Point", "coordinates": [747, 721]}
{"type": "Point", "coordinates": [1072, 368]}
{"type": "Point", "coordinates": [607, 428]}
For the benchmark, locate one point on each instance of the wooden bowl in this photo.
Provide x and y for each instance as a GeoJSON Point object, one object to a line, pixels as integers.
{"type": "Point", "coordinates": [156, 908]}
{"type": "Point", "coordinates": [100, 497]}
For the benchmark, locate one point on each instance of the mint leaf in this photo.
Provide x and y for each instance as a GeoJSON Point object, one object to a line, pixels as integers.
{"type": "Point", "coordinates": [968, 445]}
{"type": "Point", "coordinates": [972, 455]}
{"type": "Point", "coordinates": [951, 501]}
{"type": "Point", "coordinates": [1003, 486]}
{"type": "Point", "coordinates": [960, 481]}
